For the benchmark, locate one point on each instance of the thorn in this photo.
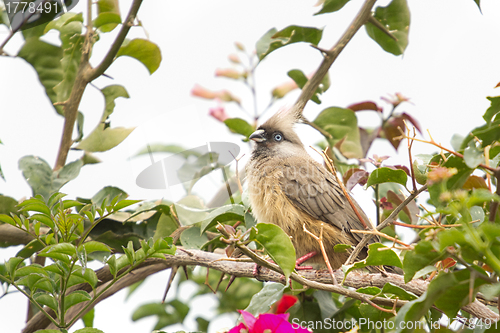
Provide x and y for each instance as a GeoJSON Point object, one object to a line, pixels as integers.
{"type": "Point", "coordinates": [169, 283]}
{"type": "Point", "coordinates": [230, 282]}
{"type": "Point", "coordinates": [220, 280]}
{"type": "Point", "coordinates": [186, 273]}
{"type": "Point", "coordinates": [325, 53]}
{"type": "Point", "coordinates": [381, 27]}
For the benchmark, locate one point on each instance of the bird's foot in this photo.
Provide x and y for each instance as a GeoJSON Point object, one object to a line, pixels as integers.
{"type": "Point", "coordinates": [303, 259]}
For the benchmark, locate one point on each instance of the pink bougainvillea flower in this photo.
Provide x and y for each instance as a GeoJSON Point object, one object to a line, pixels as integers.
{"type": "Point", "coordinates": [285, 303]}
{"type": "Point", "coordinates": [267, 323]}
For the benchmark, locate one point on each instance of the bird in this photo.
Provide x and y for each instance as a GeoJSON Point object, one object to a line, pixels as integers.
{"type": "Point", "coordinates": [288, 188]}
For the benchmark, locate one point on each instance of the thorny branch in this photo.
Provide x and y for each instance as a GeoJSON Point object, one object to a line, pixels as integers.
{"type": "Point", "coordinates": [85, 75]}
{"type": "Point", "coordinates": [331, 55]}
{"type": "Point", "coordinates": [311, 278]}
{"type": "Point", "coordinates": [384, 224]}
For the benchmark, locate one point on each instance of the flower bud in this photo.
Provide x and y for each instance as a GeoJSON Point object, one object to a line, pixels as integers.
{"type": "Point", "coordinates": [229, 73]}
{"type": "Point", "coordinates": [218, 113]}
{"type": "Point", "coordinates": [283, 89]}
{"type": "Point", "coordinates": [234, 58]}
{"type": "Point", "coordinates": [199, 91]}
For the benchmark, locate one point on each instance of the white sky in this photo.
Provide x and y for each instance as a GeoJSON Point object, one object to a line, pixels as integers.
{"type": "Point", "coordinates": [449, 67]}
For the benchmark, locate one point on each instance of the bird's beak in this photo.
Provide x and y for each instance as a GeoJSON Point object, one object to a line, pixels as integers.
{"type": "Point", "coordinates": [258, 136]}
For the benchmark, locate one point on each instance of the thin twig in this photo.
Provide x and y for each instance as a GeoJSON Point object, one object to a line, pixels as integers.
{"type": "Point", "coordinates": [323, 251]}
{"type": "Point", "coordinates": [381, 234]}
{"type": "Point", "coordinates": [384, 224]}
{"type": "Point", "coordinates": [110, 56]}
{"type": "Point", "coordinates": [331, 166]}
{"type": "Point", "coordinates": [434, 143]}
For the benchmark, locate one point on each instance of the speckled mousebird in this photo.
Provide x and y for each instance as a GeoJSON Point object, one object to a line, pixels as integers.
{"type": "Point", "coordinates": [289, 188]}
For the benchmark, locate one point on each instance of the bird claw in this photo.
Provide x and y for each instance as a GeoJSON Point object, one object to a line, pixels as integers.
{"type": "Point", "coordinates": [303, 259]}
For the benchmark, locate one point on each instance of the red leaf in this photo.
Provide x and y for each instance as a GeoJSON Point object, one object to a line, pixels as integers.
{"type": "Point", "coordinates": [365, 106]}
{"type": "Point", "coordinates": [402, 167]}
{"type": "Point", "coordinates": [391, 131]}
{"type": "Point", "coordinates": [355, 176]}
{"type": "Point", "coordinates": [448, 262]}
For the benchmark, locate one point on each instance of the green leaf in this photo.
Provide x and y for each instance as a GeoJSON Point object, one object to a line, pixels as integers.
{"type": "Point", "coordinates": [103, 137]}
{"type": "Point", "coordinates": [165, 227]}
{"type": "Point", "coordinates": [45, 299]}
{"type": "Point", "coordinates": [301, 79]}
{"type": "Point", "coordinates": [27, 251]}
{"type": "Point", "coordinates": [240, 126]}
{"type": "Point", "coordinates": [34, 205]}
{"type": "Point", "coordinates": [342, 248]}
{"type": "Point", "coordinates": [387, 175]}
{"type": "Point", "coordinates": [46, 60]}
{"type": "Point", "coordinates": [342, 125]}
{"type": "Point", "coordinates": [493, 110]}
{"type": "Point", "coordinates": [11, 266]}
{"type": "Point", "coordinates": [111, 262]}
{"type": "Point", "coordinates": [165, 246]}
{"type": "Point", "coordinates": [396, 18]}
{"type": "Point", "coordinates": [399, 292]}
{"type": "Point", "coordinates": [88, 329]}
{"type": "Point", "coordinates": [163, 148]}
{"type": "Point", "coordinates": [147, 52]}
{"type": "Point", "coordinates": [273, 39]}
{"type": "Point", "coordinates": [8, 205]}
{"type": "Point", "coordinates": [76, 297]}
{"type": "Point", "coordinates": [262, 301]}
{"type": "Point", "coordinates": [93, 246]}
{"type": "Point", "coordinates": [176, 314]}
{"type": "Point", "coordinates": [124, 204]}
{"type": "Point", "coordinates": [107, 22]}
{"type": "Point", "coordinates": [377, 257]}
{"type": "Point", "coordinates": [64, 248]}
{"type": "Point", "coordinates": [7, 219]}
{"type": "Point", "coordinates": [192, 238]}
{"type": "Point", "coordinates": [473, 156]}
{"type": "Point", "coordinates": [423, 255]}
{"type": "Point", "coordinates": [43, 219]}
{"type": "Point", "coordinates": [278, 245]}
{"type": "Point", "coordinates": [448, 290]}
{"type": "Point", "coordinates": [70, 34]}
{"type": "Point", "coordinates": [480, 196]}
{"type": "Point", "coordinates": [42, 179]}
{"type": "Point", "coordinates": [330, 6]}
{"type": "Point", "coordinates": [107, 194]}
{"type": "Point", "coordinates": [223, 214]}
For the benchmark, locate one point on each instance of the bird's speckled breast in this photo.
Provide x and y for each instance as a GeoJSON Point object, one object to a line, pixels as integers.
{"type": "Point", "coordinates": [269, 203]}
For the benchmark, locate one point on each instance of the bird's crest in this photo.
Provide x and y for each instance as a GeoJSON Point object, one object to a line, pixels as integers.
{"type": "Point", "coordinates": [283, 120]}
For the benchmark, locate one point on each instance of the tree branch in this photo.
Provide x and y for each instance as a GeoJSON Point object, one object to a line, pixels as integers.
{"type": "Point", "coordinates": [331, 55]}
{"type": "Point", "coordinates": [110, 56]}
{"type": "Point", "coordinates": [85, 75]}
{"type": "Point", "coordinates": [384, 224]}
{"type": "Point", "coordinates": [319, 279]}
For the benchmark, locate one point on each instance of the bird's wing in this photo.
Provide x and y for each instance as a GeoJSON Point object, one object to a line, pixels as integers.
{"type": "Point", "coordinates": [314, 190]}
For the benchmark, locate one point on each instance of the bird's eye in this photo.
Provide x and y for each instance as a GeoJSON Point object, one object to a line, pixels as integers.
{"type": "Point", "coordinates": [277, 137]}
